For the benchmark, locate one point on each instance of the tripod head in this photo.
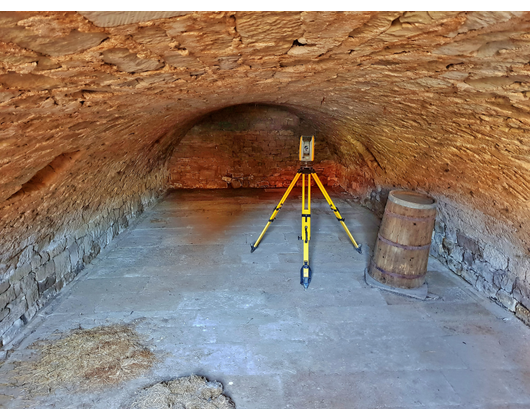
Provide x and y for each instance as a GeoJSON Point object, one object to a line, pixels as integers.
{"type": "Point", "coordinates": [307, 149]}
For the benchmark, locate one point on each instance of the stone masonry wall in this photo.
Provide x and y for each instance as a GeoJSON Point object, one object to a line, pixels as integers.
{"type": "Point", "coordinates": [474, 246]}
{"type": "Point", "coordinates": [433, 101]}
{"type": "Point", "coordinates": [252, 146]}
{"type": "Point", "coordinates": [42, 268]}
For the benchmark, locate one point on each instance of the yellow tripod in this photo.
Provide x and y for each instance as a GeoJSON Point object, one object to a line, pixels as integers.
{"type": "Point", "coordinates": [306, 172]}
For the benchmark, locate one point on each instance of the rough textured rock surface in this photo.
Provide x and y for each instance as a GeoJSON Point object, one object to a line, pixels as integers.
{"type": "Point", "coordinates": [254, 146]}
{"type": "Point", "coordinates": [93, 104]}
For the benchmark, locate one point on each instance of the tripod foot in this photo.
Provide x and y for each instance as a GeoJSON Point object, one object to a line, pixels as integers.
{"type": "Point", "coordinates": [358, 249]}
{"type": "Point", "coordinates": [305, 276]}
{"type": "Point", "coordinates": [252, 248]}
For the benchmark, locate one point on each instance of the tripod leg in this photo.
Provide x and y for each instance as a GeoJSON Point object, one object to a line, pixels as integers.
{"type": "Point", "coordinates": [336, 211]}
{"type": "Point", "coordinates": [275, 212]}
{"type": "Point", "coordinates": [305, 271]}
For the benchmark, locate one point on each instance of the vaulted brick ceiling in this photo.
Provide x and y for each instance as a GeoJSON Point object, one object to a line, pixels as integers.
{"type": "Point", "coordinates": [436, 101]}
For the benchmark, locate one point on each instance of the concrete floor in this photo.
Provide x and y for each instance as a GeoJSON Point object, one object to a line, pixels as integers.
{"type": "Point", "coordinates": [185, 275]}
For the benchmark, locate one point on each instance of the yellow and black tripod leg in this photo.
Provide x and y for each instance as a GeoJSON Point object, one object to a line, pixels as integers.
{"type": "Point", "coordinates": [337, 213]}
{"type": "Point", "coordinates": [275, 212]}
{"type": "Point", "coordinates": [305, 271]}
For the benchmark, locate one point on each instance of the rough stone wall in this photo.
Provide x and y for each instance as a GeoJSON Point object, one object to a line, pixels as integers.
{"type": "Point", "coordinates": [246, 146]}
{"type": "Point", "coordinates": [52, 257]}
{"type": "Point", "coordinates": [465, 241]}
{"type": "Point", "coordinates": [432, 101]}
{"type": "Point", "coordinates": [71, 207]}
{"type": "Point", "coordinates": [476, 247]}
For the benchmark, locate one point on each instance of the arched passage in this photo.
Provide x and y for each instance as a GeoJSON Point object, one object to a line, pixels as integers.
{"type": "Point", "coordinates": [432, 101]}
{"type": "Point", "coordinates": [255, 146]}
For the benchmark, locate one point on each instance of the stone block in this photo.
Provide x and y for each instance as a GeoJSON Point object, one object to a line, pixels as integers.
{"type": "Point", "coordinates": [503, 280]}
{"type": "Point", "coordinates": [29, 314]}
{"type": "Point", "coordinates": [450, 233]}
{"type": "Point", "coordinates": [437, 250]}
{"type": "Point", "coordinates": [81, 231]}
{"type": "Point", "coordinates": [84, 245]}
{"type": "Point", "coordinates": [7, 296]}
{"type": "Point", "coordinates": [454, 266]}
{"type": "Point", "coordinates": [47, 295]}
{"type": "Point", "coordinates": [61, 282]}
{"type": "Point", "coordinates": [123, 223]}
{"type": "Point", "coordinates": [36, 262]}
{"type": "Point", "coordinates": [439, 226]}
{"type": "Point", "coordinates": [4, 285]}
{"type": "Point", "coordinates": [70, 240]}
{"type": "Point", "coordinates": [522, 313]}
{"type": "Point", "coordinates": [42, 244]}
{"type": "Point", "coordinates": [483, 269]}
{"type": "Point", "coordinates": [78, 267]}
{"type": "Point", "coordinates": [45, 271]}
{"type": "Point", "coordinates": [457, 253]}
{"type": "Point", "coordinates": [101, 240]}
{"type": "Point", "coordinates": [25, 256]}
{"type": "Point", "coordinates": [20, 272]}
{"type": "Point", "coordinates": [468, 258]}
{"type": "Point", "coordinates": [129, 62]}
{"type": "Point", "coordinates": [16, 310]}
{"type": "Point", "coordinates": [520, 267]}
{"type": "Point", "coordinates": [17, 287]}
{"type": "Point", "coordinates": [506, 300]}
{"type": "Point", "coordinates": [469, 244]}
{"type": "Point", "coordinates": [12, 331]}
{"type": "Point", "coordinates": [46, 284]}
{"type": "Point", "coordinates": [4, 268]}
{"type": "Point", "coordinates": [110, 234]}
{"type": "Point", "coordinates": [32, 293]}
{"type": "Point", "coordinates": [486, 287]}
{"type": "Point", "coordinates": [495, 258]}
{"type": "Point", "coordinates": [28, 281]}
{"type": "Point", "coordinates": [469, 275]}
{"type": "Point", "coordinates": [206, 174]}
{"type": "Point", "coordinates": [28, 286]}
{"type": "Point", "coordinates": [45, 257]}
{"type": "Point", "coordinates": [3, 313]}
{"type": "Point", "coordinates": [94, 251]}
{"type": "Point", "coordinates": [75, 254]}
{"type": "Point", "coordinates": [28, 81]}
{"type": "Point", "coordinates": [518, 291]}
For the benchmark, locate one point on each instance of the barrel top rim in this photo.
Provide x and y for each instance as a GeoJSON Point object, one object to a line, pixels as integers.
{"type": "Point", "coordinates": [412, 199]}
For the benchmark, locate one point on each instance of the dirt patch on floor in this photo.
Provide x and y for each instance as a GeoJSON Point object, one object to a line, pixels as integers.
{"type": "Point", "coordinates": [85, 360]}
{"type": "Point", "coordinates": [187, 392]}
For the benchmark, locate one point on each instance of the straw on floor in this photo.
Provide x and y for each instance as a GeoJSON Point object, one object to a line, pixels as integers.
{"type": "Point", "coordinates": [85, 360]}
{"type": "Point", "coordinates": [191, 392]}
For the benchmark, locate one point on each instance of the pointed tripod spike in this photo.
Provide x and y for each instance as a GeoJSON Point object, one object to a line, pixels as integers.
{"type": "Point", "coordinates": [305, 280]}
{"type": "Point", "coordinates": [359, 249]}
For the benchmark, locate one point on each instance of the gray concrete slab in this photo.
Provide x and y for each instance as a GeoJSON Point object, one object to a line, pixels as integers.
{"type": "Point", "coordinates": [184, 276]}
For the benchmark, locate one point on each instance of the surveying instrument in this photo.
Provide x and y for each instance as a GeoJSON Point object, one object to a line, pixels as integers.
{"type": "Point", "coordinates": [307, 152]}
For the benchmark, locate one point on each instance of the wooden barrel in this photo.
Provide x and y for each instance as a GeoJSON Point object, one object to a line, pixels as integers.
{"type": "Point", "coordinates": [403, 242]}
